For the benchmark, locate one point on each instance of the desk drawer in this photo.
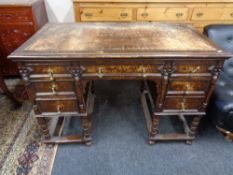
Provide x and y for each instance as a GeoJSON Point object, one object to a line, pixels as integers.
{"type": "Point", "coordinates": [57, 106]}
{"type": "Point", "coordinates": [160, 14]}
{"type": "Point", "coordinates": [188, 86]}
{"type": "Point", "coordinates": [106, 14]}
{"type": "Point", "coordinates": [194, 68]}
{"type": "Point", "coordinates": [182, 104]}
{"type": "Point", "coordinates": [103, 70]}
{"type": "Point", "coordinates": [54, 87]}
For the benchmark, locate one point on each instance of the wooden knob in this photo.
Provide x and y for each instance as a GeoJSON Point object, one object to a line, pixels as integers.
{"type": "Point", "coordinates": [231, 14]}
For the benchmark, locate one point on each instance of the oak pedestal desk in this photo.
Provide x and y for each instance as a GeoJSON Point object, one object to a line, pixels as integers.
{"type": "Point", "coordinates": [60, 62]}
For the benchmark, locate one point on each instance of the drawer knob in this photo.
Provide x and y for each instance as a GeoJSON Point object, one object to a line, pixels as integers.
{"type": "Point", "coordinates": [179, 14]}
{"type": "Point", "coordinates": [194, 70]}
{"type": "Point", "coordinates": [200, 14]}
{"type": "Point", "coordinates": [124, 15]}
{"type": "Point", "coordinates": [59, 108]}
{"type": "Point", "coordinates": [231, 14]}
{"type": "Point", "coordinates": [100, 74]}
{"type": "Point", "coordinates": [50, 72]}
{"type": "Point", "coordinates": [145, 14]}
{"type": "Point", "coordinates": [54, 87]}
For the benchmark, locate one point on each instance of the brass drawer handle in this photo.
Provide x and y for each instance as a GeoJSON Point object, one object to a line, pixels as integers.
{"type": "Point", "coordinates": [194, 70]}
{"type": "Point", "coordinates": [88, 15]}
{"type": "Point", "coordinates": [54, 87]}
{"type": "Point", "coordinates": [100, 74]}
{"type": "Point", "coordinates": [59, 108]}
{"type": "Point", "coordinates": [200, 14]}
{"type": "Point", "coordinates": [145, 14]}
{"type": "Point", "coordinates": [124, 14]}
{"type": "Point", "coordinates": [50, 72]}
{"type": "Point", "coordinates": [179, 14]}
{"type": "Point", "coordinates": [182, 106]}
{"type": "Point", "coordinates": [144, 72]}
{"type": "Point", "coordinates": [188, 87]}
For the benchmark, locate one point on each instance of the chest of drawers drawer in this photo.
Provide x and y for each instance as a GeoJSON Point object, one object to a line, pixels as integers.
{"type": "Point", "coordinates": [106, 14]}
{"type": "Point", "coordinates": [14, 15]}
{"type": "Point", "coordinates": [160, 14]}
{"type": "Point", "coordinates": [212, 13]}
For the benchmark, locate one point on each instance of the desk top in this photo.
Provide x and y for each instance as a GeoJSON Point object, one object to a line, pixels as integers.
{"type": "Point", "coordinates": [117, 40]}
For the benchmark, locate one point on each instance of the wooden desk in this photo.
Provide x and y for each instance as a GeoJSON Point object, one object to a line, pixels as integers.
{"type": "Point", "coordinates": [59, 63]}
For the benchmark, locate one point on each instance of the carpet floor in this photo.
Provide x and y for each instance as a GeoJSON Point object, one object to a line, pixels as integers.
{"type": "Point", "coordinates": [120, 136]}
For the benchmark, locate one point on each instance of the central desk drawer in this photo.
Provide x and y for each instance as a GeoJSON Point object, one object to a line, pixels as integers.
{"type": "Point", "coordinates": [140, 70]}
{"type": "Point", "coordinates": [57, 106]}
{"type": "Point", "coordinates": [106, 14]}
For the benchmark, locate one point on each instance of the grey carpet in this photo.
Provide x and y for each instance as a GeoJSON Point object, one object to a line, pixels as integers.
{"type": "Point", "coordinates": [119, 142]}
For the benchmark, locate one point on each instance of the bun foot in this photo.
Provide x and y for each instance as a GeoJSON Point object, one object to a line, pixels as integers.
{"type": "Point", "coordinates": [151, 142]}
{"type": "Point", "coordinates": [189, 142]}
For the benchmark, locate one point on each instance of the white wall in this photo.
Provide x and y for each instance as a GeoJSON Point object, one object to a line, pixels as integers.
{"type": "Point", "coordinates": [60, 10]}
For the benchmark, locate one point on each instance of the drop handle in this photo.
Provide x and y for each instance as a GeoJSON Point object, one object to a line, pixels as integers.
{"type": "Point", "coordinates": [59, 108]}
{"type": "Point", "coordinates": [182, 106]}
{"type": "Point", "coordinates": [194, 70]}
{"type": "Point", "coordinates": [187, 88]}
{"type": "Point", "coordinates": [54, 87]}
{"type": "Point", "coordinates": [50, 73]}
{"type": "Point", "coordinates": [144, 72]}
{"type": "Point", "coordinates": [100, 73]}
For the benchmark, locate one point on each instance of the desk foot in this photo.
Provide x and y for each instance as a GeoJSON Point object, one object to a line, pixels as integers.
{"type": "Point", "coordinates": [189, 142]}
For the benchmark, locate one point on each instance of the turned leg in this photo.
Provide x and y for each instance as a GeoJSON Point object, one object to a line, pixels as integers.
{"type": "Point", "coordinates": [86, 130]}
{"type": "Point", "coordinates": [193, 128]}
{"type": "Point", "coordinates": [154, 129]}
{"type": "Point", "coordinates": [8, 93]}
{"type": "Point", "coordinates": [44, 127]}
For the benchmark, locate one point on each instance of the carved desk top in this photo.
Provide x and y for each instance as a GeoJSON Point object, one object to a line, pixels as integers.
{"type": "Point", "coordinates": [113, 40]}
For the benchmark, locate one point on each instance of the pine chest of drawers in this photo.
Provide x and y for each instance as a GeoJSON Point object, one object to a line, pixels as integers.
{"type": "Point", "coordinates": [60, 62]}
{"type": "Point", "coordinates": [199, 13]}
